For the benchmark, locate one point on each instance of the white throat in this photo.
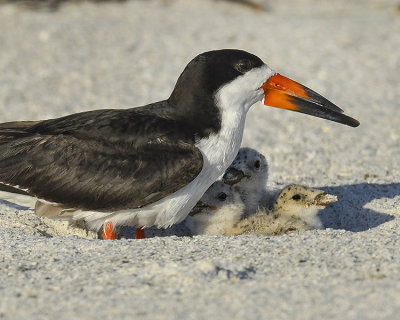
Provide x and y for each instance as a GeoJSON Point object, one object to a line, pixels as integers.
{"type": "Point", "coordinates": [233, 100]}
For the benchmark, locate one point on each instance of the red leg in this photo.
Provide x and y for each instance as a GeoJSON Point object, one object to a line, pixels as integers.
{"type": "Point", "coordinates": [140, 234]}
{"type": "Point", "coordinates": [108, 231]}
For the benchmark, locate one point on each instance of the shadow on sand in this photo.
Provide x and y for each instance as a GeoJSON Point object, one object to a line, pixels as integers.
{"type": "Point", "coordinates": [13, 205]}
{"type": "Point", "coordinates": [349, 212]}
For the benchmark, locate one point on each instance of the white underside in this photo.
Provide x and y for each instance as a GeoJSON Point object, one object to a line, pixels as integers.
{"type": "Point", "coordinates": [219, 150]}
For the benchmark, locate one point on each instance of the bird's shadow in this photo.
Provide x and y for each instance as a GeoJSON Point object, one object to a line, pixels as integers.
{"type": "Point", "coordinates": [14, 205]}
{"type": "Point", "coordinates": [349, 212]}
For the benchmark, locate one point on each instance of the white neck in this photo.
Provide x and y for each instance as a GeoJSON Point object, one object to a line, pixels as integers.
{"type": "Point", "coordinates": [233, 100]}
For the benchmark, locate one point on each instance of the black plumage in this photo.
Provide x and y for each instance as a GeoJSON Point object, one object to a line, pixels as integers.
{"type": "Point", "coordinates": [109, 160]}
{"type": "Point", "coordinates": [100, 160]}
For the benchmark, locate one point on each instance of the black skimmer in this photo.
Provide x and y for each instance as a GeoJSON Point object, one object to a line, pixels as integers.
{"type": "Point", "coordinates": [295, 209]}
{"type": "Point", "coordinates": [218, 210]}
{"type": "Point", "coordinates": [150, 165]}
{"type": "Point", "coordinates": [248, 174]}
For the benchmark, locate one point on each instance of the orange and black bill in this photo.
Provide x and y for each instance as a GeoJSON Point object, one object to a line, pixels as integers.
{"type": "Point", "coordinates": [284, 93]}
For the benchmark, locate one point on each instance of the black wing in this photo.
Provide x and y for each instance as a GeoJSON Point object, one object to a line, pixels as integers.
{"type": "Point", "coordinates": [100, 160]}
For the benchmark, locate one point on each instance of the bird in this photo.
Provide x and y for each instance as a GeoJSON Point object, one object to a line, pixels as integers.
{"type": "Point", "coordinates": [216, 212]}
{"type": "Point", "coordinates": [248, 174]}
{"type": "Point", "coordinates": [149, 165]}
{"type": "Point", "coordinates": [295, 209]}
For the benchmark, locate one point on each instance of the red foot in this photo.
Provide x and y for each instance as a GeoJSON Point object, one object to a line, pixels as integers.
{"type": "Point", "coordinates": [140, 234]}
{"type": "Point", "coordinates": [108, 231]}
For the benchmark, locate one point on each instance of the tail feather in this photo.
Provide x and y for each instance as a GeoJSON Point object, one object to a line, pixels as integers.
{"type": "Point", "coordinates": [10, 189]}
{"type": "Point", "coordinates": [15, 129]}
{"type": "Point", "coordinates": [17, 196]}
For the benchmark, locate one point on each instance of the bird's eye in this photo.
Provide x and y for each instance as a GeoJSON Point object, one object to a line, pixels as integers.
{"type": "Point", "coordinates": [243, 66]}
{"type": "Point", "coordinates": [296, 197]}
{"type": "Point", "coordinates": [257, 164]}
{"type": "Point", "coordinates": [222, 196]}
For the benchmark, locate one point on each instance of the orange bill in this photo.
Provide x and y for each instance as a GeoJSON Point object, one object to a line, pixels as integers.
{"type": "Point", "coordinates": [284, 93]}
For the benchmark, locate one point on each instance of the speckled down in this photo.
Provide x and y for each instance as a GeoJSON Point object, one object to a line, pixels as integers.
{"type": "Point", "coordinates": [89, 56]}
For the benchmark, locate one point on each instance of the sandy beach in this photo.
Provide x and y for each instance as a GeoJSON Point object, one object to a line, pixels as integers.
{"type": "Point", "coordinates": [86, 56]}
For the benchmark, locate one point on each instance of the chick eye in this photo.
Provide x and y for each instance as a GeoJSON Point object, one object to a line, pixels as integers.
{"type": "Point", "coordinates": [257, 164]}
{"type": "Point", "coordinates": [296, 197]}
{"type": "Point", "coordinates": [222, 196]}
{"type": "Point", "coordinates": [243, 66]}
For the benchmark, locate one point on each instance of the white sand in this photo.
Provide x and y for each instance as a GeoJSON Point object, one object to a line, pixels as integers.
{"type": "Point", "coordinates": [89, 56]}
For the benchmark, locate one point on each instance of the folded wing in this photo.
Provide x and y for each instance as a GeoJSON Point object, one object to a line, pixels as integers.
{"type": "Point", "coordinates": [122, 159]}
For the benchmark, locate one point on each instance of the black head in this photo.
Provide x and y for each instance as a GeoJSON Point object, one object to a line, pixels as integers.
{"type": "Point", "coordinates": [194, 93]}
{"type": "Point", "coordinates": [203, 76]}
{"type": "Point", "coordinates": [211, 70]}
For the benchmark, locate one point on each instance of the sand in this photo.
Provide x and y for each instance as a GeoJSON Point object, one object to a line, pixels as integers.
{"type": "Point", "coordinates": [90, 56]}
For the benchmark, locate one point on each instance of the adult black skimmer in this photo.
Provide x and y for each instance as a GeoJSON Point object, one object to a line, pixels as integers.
{"type": "Point", "coordinates": [150, 165]}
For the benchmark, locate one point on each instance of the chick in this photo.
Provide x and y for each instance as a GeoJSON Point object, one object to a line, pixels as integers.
{"type": "Point", "coordinates": [218, 210]}
{"type": "Point", "coordinates": [296, 208]}
{"type": "Point", "coordinates": [248, 174]}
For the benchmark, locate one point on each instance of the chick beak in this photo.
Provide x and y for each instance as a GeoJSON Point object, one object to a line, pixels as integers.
{"type": "Point", "coordinates": [233, 176]}
{"type": "Point", "coordinates": [324, 199]}
{"type": "Point", "coordinates": [199, 207]}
